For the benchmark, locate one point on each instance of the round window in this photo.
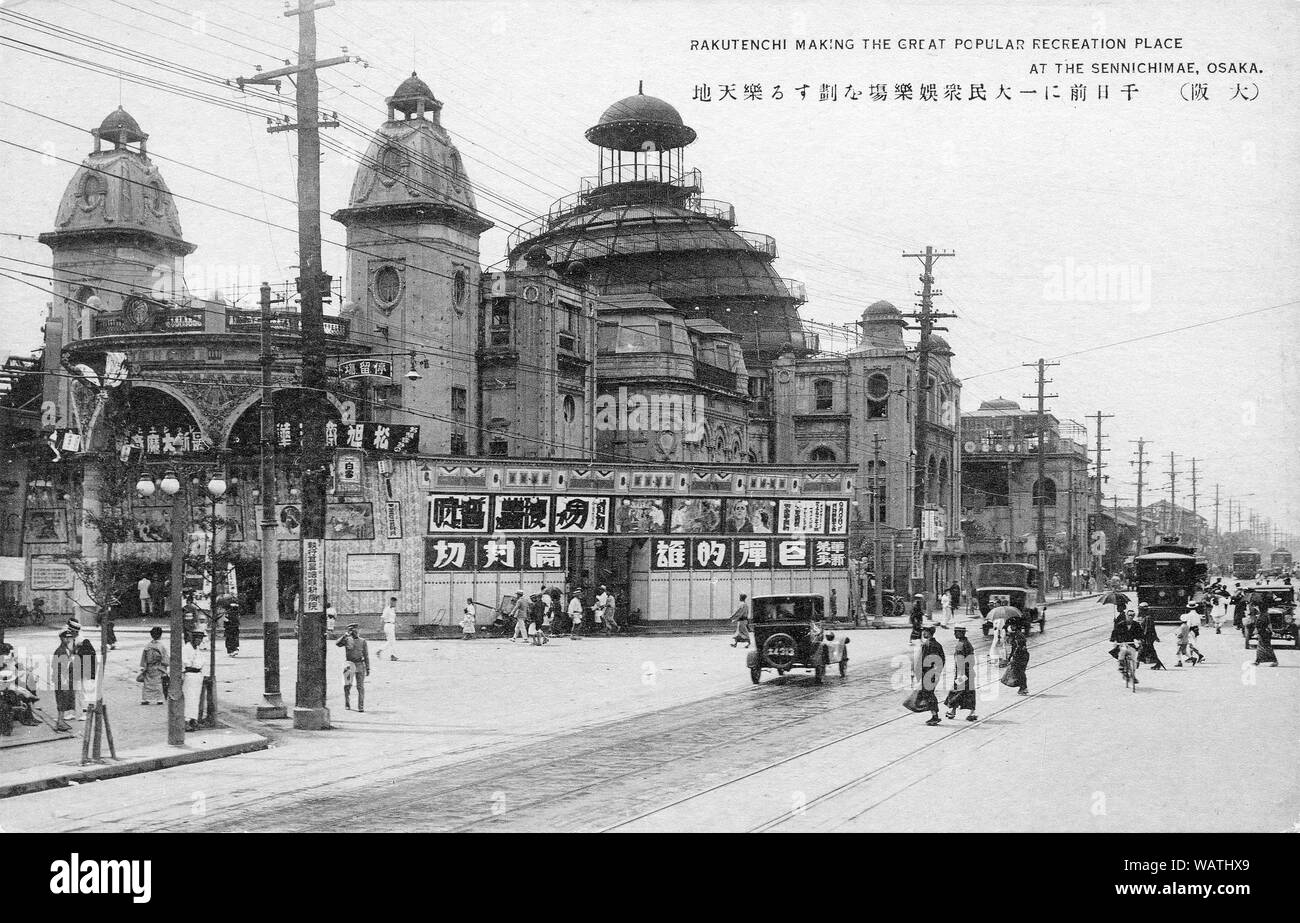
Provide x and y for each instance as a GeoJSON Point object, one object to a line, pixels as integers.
{"type": "Point", "coordinates": [460, 288]}
{"type": "Point", "coordinates": [878, 387]}
{"type": "Point", "coordinates": [388, 285]}
{"type": "Point", "coordinates": [93, 190]}
{"type": "Point", "coordinates": [570, 408]}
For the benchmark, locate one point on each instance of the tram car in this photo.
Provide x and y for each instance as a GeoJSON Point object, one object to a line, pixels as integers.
{"type": "Point", "coordinates": [1009, 583]}
{"type": "Point", "coordinates": [1279, 563]}
{"type": "Point", "coordinates": [789, 635]}
{"type": "Point", "coordinates": [1245, 564]}
{"type": "Point", "coordinates": [1168, 575]}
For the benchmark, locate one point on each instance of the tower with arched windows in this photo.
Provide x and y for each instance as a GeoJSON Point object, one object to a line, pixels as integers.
{"type": "Point", "coordinates": [413, 229]}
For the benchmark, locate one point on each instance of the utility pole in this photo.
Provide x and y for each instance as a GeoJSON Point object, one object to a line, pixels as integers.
{"type": "Point", "coordinates": [272, 704]}
{"type": "Point", "coordinates": [1173, 480]}
{"type": "Point", "coordinates": [925, 318]}
{"type": "Point", "coordinates": [310, 712]}
{"type": "Point", "coordinates": [1096, 489]}
{"type": "Point", "coordinates": [1142, 462]}
{"type": "Point", "coordinates": [1042, 365]}
{"type": "Point", "coordinates": [1218, 538]}
{"type": "Point", "coordinates": [875, 528]}
{"type": "Point", "coordinates": [1196, 526]}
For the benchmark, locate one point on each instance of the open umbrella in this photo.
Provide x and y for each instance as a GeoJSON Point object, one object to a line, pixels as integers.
{"type": "Point", "coordinates": [1004, 613]}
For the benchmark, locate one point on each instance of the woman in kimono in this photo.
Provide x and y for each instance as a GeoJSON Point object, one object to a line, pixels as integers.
{"type": "Point", "coordinates": [931, 672]}
{"type": "Point", "coordinates": [65, 680]}
{"type": "Point", "coordinates": [963, 677]}
{"type": "Point", "coordinates": [1147, 647]}
{"type": "Point", "coordinates": [1018, 659]}
{"type": "Point", "coordinates": [153, 667]}
{"type": "Point", "coordinates": [1264, 643]}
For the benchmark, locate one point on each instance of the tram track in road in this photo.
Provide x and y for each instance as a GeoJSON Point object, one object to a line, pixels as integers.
{"type": "Point", "coordinates": [825, 745]}
{"type": "Point", "coordinates": [673, 748]}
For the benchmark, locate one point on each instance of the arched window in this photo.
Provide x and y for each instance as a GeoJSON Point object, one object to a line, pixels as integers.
{"type": "Point", "coordinates": [944, 491]}
{"type": "Point", "coordinates": [931, 480]}
{"type": "Point", "coordinates": [823, 394]}
{"type": "Point", "coordinates": [877, 396]}
{"type": "Point", "coordinates": [822, 455]}
{"type": "Point", "coordinates": [1045, 492]}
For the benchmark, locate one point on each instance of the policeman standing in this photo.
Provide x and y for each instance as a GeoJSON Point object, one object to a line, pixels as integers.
{"type": "Point", "coordinates": [356, 666]}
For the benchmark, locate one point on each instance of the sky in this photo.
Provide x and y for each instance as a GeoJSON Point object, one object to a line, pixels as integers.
{"type": "Point", "coordinates": [1082, 231]}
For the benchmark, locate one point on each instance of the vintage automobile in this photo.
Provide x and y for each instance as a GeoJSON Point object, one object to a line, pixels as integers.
{"type": "Point", "coordinates": [1010, 583]}
{"type": "Point", "coordinates": [1280, 601]}
{"type": "Point", "coordinates": [790, 633]}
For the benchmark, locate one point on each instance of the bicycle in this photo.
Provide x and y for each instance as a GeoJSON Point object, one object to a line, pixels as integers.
{"type": "Point", "coordinates": [1128, 665]}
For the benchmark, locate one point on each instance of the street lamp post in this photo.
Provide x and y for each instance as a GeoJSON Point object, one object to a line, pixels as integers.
{"type": "Point", "coordinates": [216, 490]}
{"type": "Point", "coordinates": [172, 485]}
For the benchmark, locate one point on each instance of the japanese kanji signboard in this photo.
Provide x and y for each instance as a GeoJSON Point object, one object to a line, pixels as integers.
{"type": "Point", "coordinates": [669, 554]}
{"type": "Point", "coordinates": [366, 368]}
{"type": "Point", "coordinates": [511, 553]}
{"type": "Point", "coordinates": [381, 438]}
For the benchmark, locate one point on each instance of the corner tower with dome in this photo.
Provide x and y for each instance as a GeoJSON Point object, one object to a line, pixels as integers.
{"type": "Point", "coordinates": [413, 231]}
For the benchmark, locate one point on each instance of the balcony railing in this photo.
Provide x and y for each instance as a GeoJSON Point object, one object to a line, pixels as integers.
{"type": "Point", "coordinates": [763, 243]}
{"type": "Point", "coordinates": [796, 290]}
{"type": "Point", "coordinates": [716, 376]}
{"type": "Point", "coordinates": [168, 321]}
{"type": "Point", "coordinates": [282, 322]}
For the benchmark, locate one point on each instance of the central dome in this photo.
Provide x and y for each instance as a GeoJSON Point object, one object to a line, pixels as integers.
{"type": "Point", "coordinates": [640, 122]}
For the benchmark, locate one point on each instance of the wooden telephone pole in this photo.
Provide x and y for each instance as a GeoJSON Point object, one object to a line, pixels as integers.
{"type": "Point", "coordinates": [1096, 493]}
{"type": "Point", "coordinates": [1141, 463]}
{"type": "Point", "coordinates": [1042, 365]}
{"type": "Point", "coordinates": [925, 318]}
{"type": "Point", "coordinates": [310, 711]}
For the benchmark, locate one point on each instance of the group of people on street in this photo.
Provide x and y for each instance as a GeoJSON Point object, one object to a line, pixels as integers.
{"type": "Point", "coordinates": [533, 620]}
{"type": "Point", "coordinates": [930, 663]}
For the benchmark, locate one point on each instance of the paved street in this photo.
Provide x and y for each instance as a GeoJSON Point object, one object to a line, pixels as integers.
{"type": "Point", "coordinates": [669, 734]}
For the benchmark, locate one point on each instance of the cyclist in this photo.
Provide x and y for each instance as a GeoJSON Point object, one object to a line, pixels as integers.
{"type": "Point", "coordinates": [1127, 637]}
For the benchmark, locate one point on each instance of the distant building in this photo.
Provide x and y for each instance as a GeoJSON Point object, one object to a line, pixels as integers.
{"type": "Point", "coordinates": [1001, 493]}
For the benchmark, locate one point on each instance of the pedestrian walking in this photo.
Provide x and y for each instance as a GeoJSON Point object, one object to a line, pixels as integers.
{"type": "Point", "coordinates": [517, 615]}
{"type": "Point", "coordinates": [389, 618]}
{"type": "Point", "coordinates": [1018, 660]}
{"type": "Point", "coordinates": [356, 666]}
{"type": "Point", "coordinates": [153, 670]}
{"type": "Point", "coordinates": [1147, 647]}
{"type": "Point", "coordinates": [741, 618]}
{"type": "Point", "coordinates": [946, 604]}
{"type": "Point", "coordinates": [1185, 646]}
{"type": "Point", "coordinates": [537, 615]}
{"type": "Point", "coordinates": [84, 667]}
{"type": "Point", "coordinates": [962, 694]}
{"type": "Point", "coordinates": [1264, 643]}
{"type": "Point", "coordinates": [467, 626]}
{"type": "Point", "coordinates": [916, 616]}
{"type": "Point", "coordinates": [331, 614]}
{"type": "Point", "coordinates": [931, 665]}
{"type": "Point", "coordinates": [1239, 607]}
{"type": "Point", "coordinates": [605, 606]}
{"type": "Point", "coordinates": [575, 616]}
{"type": "Point", "coordinates": [955, 592]}
{"type": "Point", "coordinates": [194, 661]}
{"type": "Point", "coordinates": [231, 628]}
{"type": "Point", "coordinates": [142, 589]}
{"type": "Point", "coordinates": [64, 662]}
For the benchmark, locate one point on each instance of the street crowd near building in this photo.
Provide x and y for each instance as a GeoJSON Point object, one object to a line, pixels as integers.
{"type": "Point", "coordinates": [630, 427]}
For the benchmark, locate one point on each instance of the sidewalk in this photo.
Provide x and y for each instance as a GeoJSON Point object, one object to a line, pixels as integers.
{"type": "Point", "coordinates": [139, 731]}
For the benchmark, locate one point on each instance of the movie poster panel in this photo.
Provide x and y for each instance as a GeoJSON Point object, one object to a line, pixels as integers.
{"type": "Point", "coordinates": [743, 516]}
{"type": "Point", "coordinates": [458, 512]}
{"type": "Point", "coordinates": [837, 517]}
{"type": "Point", "coordinates": [521, 513]}
{"type": "Point", "coordinates": [801, 517]}
{"type": "Point", "coordinates": [582, 515]}
{"type": "Point", "coordinates": [640, 516]}
{"type": "Point", "coordinates": [349, 522]}
{"type": "Point", "coordinates": [696, 515]}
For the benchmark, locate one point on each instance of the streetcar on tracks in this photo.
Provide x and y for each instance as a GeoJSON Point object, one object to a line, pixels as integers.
{"type": "Point", "coordinates": [1168, 575]}
{"type": "Point", "coordinates": [790, 634]}
{"type": "Point", "coordinates": [1010, 583]}
{"type": "Point", "coordinates": [1245, 564]}
{"type": "Point", "coordinates": [1279, 563]}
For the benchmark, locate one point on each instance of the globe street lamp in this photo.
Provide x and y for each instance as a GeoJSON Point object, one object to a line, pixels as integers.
{"type": "Point", "coordinates": [170, 485]}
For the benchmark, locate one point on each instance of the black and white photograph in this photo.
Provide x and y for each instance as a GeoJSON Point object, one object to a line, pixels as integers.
{"type": "Point", "coordinates": [822, 417]}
